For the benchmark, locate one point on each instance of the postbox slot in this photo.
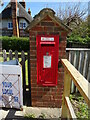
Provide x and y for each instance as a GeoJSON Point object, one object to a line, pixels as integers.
{"type": "Point", "coordinates": [47, 43]}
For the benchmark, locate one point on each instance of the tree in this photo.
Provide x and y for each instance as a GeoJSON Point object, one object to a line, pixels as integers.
{"type": "Point", "coordinates": [81, 33]}
{"type": "Point", "coordinates": [78, 20]}
{"type": "Point", "coordinates": [71, 15]}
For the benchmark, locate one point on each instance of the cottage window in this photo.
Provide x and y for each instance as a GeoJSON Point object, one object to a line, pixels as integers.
{"type": "Point", "coordinates": [10, 25]}
{"type": "Point", "coordinates": [22, 25]}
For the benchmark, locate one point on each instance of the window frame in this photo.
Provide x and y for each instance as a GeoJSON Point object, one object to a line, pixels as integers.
{"type": "Point", "coordinates": [10, 24]}
{"type": "Point", "coordinates": [23, 25]}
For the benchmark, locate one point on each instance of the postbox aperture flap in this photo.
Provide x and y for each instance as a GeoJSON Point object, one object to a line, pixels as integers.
{"type": "Point", "coordinates": [47, 43]}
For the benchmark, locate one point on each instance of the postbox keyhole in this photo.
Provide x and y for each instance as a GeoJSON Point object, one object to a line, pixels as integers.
{"type": "Point", "coordinates": [47, 53]}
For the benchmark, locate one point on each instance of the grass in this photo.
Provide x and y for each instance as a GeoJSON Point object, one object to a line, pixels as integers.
{"type": "Point", "coordinates": [29, 116]}
{"type": "Point", "coordinates": [41, 116]}
{"type": "Point", "coordinates": [80, 106]}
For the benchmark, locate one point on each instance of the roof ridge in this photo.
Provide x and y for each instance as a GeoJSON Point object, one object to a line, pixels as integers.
{"type": "Point", "coordinates": [8, 10]}
{"type": "Point", "coordinates": [42, 14]}
{"type": "Point", "coordinates": [24, 9]}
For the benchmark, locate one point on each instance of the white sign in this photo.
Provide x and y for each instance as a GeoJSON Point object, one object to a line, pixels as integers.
{"type": "Point", "coordinates": [47, 61]}
{"type": "Point", "coordinates": [11, 86]}
{"type": "Point", "coordinates": [47, 38]}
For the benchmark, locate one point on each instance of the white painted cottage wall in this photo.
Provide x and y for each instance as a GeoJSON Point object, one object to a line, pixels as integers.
{"type": "Point", "coordinates": [4, 23]}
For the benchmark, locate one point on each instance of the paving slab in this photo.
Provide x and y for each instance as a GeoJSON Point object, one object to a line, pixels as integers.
{"type": "Point", "coordinates": [34, 112]}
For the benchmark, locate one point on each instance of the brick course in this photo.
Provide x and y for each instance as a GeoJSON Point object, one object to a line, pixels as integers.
{"type": "Point", "coordinates": [46, 96]}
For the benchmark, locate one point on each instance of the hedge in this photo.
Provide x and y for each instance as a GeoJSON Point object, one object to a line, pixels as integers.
{"type": "Point", "coordinates": [14, 43]}
{"type": "Point", "coordinates": [78, 39]}
{"type": "Point", "coordinates": [22, 43]}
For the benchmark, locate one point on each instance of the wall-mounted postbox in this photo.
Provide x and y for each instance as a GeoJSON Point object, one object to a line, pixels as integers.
{"type": "Point", "coordinates": [47, 39]}
{"type": "Point", "coordinates": [47, 59]}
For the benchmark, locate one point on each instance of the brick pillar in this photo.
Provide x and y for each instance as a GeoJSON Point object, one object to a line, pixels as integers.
{"type": "Point", "coordinates": [46, 96]}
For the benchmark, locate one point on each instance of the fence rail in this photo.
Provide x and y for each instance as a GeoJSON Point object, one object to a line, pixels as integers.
{"type": "Point", "coordinates": [80, 82]}
{"type": "Point", "coordinates": [80, 59]}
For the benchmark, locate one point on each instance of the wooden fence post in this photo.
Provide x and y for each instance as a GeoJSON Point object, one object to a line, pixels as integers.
{"type": "Point", "coordinates": [16, 54]}
{"type": "Point", "coordinates": [88, 76]}
{"type": "Point", "coordinates": [80, 59]}
{"type": "Point", "coordinates": [10, 55]}
{"type": "Point", "coordinates": [4, 55]}
{"type": "Point", "coordinates": [24, 75]}
{"type": "Point", "coordinates": [67, 84]}
{"type": "Point", "coordinates": [28, 87]}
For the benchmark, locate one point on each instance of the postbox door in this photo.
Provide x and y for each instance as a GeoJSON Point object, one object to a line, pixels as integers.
{"type": "Point", "coordinates": [47, 65]}
{"type": "Point", "coordinates": [47, 60]}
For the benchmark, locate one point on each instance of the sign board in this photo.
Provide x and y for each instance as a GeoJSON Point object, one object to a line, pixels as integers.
{"type": "Point", "coordinates": [11, 86]}
{"type": "Point", "coordinates": [47, 38]}
{"type": "Point", "coordinates": [47, 61]}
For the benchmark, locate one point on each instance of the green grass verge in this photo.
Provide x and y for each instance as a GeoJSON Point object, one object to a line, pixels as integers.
{"type": "Point", "coordinates": [79, 105]}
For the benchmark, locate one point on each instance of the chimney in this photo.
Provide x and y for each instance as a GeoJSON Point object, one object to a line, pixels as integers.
{"type": "Point", "coordinates": [14, 18]}
{"type": "Point", "coordinates": [23, 3]}
{"type": "Point", "coordinates": [29, 11]}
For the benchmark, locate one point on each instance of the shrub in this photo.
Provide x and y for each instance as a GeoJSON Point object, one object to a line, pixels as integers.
{"type": "Point", "coordinates": [14, 43]}
{"type": "Point", "coordinates": [22, 43]}
{"type": "Point", "coordinates": [78, 39]}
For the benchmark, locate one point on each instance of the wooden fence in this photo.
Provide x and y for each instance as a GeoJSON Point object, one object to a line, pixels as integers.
{"type": "Point", "coordinates": [80, 58]}
{"type": "Point", "coordinates": [83, 86]}
{"type": "Point", "coordinates": [24, 59]}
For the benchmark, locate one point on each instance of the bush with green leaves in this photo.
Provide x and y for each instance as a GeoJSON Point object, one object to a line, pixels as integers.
{"type": "Point", "coordinates": [15, 43]}
{"type": "Point", "coordinates": [78, 39]}
{"type": "Point", "coordinates": [80, 106]}
{"type": "Point", "coordinates": [81, 33]}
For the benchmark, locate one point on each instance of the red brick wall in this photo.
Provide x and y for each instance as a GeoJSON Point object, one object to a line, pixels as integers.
{"type": "Point", "coordinates": [46, 96]}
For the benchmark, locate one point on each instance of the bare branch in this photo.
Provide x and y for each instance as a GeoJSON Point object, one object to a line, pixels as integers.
{"type": "Point", "coordinates": [72, 14]}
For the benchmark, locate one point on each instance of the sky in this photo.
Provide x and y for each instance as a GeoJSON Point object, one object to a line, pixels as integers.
{"type": "Point", "coordinates": [37, 5]}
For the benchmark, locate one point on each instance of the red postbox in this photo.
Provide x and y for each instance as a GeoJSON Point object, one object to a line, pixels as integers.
{"type": "Point", "coordinates": [47, 59]}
